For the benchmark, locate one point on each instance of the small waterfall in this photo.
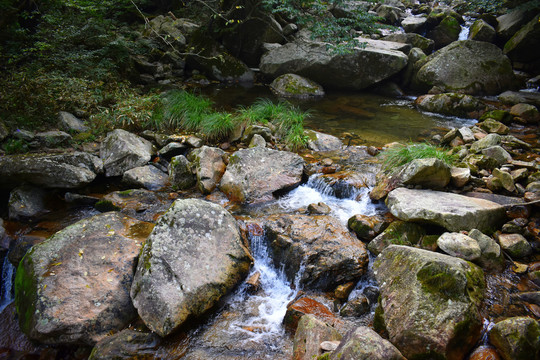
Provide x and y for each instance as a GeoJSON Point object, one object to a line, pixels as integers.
{"type": "Point", "coordinates": [345, 200]}
{"type": "Point", "coordinates": [464, 34]}
{"type": "Point", "coordinates": [6, 286]}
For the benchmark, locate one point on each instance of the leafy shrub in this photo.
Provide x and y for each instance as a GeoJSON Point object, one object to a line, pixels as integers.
{"type": "Point", "coordinates": [399, 155]}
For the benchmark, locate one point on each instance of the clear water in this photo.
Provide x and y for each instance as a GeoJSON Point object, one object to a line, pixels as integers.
{"type": "Point", "coordinates": [6, 286]}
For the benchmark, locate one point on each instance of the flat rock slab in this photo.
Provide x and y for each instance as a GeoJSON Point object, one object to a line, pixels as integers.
{"type": "Point", "coordinates": [451, 211]}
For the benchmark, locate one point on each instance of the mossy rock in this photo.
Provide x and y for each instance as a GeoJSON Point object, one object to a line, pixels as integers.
{"type": "Point", "coordinates": [295, 86]}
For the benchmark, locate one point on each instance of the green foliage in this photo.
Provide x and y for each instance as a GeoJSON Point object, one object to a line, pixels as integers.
{"type": "Point", "coordinates": [182, 109]}
{"type": "Point", "coordinates": [399, 155]}
{"type": "Point", "coordinates": [15, 146]}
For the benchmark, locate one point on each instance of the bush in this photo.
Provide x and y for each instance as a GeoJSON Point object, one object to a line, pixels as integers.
{"type": "Point", "coordinates": [399, 155]}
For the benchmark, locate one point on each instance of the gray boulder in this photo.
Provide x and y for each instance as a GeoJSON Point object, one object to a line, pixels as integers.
{"type": "Point", "coordinates": [255, 174]}
{"type": "Point", "coordinates": [451, 211]}
{"type": "Point", "coordinates": [429, 302]}
{"type": "Point", "coordinates": [482, 31]}
{"type": "Point", "coordinates": [122, 151]}
{"type": "Point", "coordinates": [428, 173]}
{"type": "Point", "coordinates": [181, 175]}
{"type": "Point", "coordinates": [321, 142]}
{"type": "Point", "coordinates": [508, 24]}
{"type": "Point", "coordinates": [70, 122]}
{"type": "Point", "coordinates": [515, 245]}
{"type": "Point", "coordinates": [364, 343]}
{"type": "Point", "coordinates": [208, 165]}
{"type": "Point", "coordinates": [517, 338]}
{"type": "Point", "coordinates": [452, 104]}
{"type": "Point", "coordinates": [52, 138]}
{"type": "Point", "coordinates": [330, 254]}
{"type": "Point", "coordinates": [74, 287]}
{"type": "Point", "coordinates": [486, 142]}
{"type": "Point", "coordinates": [459, 245]}
{"type": "Point", "coordinates": [467, 66]}
{"type": "Point", "coordinates": [309, 335]}
{"type": "Point", "coordinates": [415, 40]}
{"type": "Point", "coordinates": [522, 47]}
{"type": "Point", "coordinates": [192, 258]}
{"type": "Point", "coordinates": [492, 257]}
{"type": "Point", "coordinates": [62, 171]}
{"type": "Point", "coordinates": [397, 233]}
{"type": "Point", "coordinates": [356, 70]}
{"type": "Point", "coordinates": [26, 202]}
{"type": "Point", "coordinates": [446, 32]}
{"type": "Point", "coordinates": [126, 344]}
{"type": "Point", "coordinates": [295, 86]}
{"type": "Point", "coordinates": [414, 24]}
{"type": "Point", "coordinates": [148, 177]}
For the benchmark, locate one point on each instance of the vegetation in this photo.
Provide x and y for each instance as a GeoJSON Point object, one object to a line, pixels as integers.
{"type": "Point", "coordinates": [399, 155]}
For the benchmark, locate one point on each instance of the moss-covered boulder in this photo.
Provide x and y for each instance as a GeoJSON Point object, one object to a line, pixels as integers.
{"type": "Point", "coordinates": [517, 338]}
{"type": "Point", "coordinates": [181, 175]}
{"type": "Point", "coordinates": [452, 104]}
{"type": "Point", "coordinates": [310, 333]}
{"type": "Point", "coordinates": [192, 258]}
{"type": "Point", "coordinates": [429, 302]}
{"type": "Point", "coordinates": [397, 233]}
{"type": "Point", "coordinates": [523, 46]}
{"type": "Point", "coordinates": [446, 32]}
{"type": "Point", "coordinates": [482, 31]}
{"type": "Point", "coordinates": [467, 66]}
{"type": "Point", "coordinates": [415, 40]}
{"type": "Point", "coordinates": [295, 86]}
{"type": "Point", "coordinates": [208, 164]}
{"type": "Point", "coordinates": [74, 287]}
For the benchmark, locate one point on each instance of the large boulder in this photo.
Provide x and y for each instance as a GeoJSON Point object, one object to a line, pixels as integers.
{"type": "Point", "coordinates": [364, 343]}
{"type": "Point", "coordinates": [452, 104]}
{"type": "Point", "coordinates": [415, 40]}
{"type": "Point", "coordinates": [310, 333]}
{"type": "Point", "coordinates": [26, 202]}
{"type": "Point", "coordinates": [467, 66]}
{"type": "Point", "coordinates": [192, 258]}
{"type": "Point", "coordinates": [428, 173]}
{"type": "Point", "coordinates": [429, 302]}
{"type": "Point", "coordinates": [517, 338]}
{"type": "Point", "coordinates": [329, 254]}
{"type": "Point", "coordinates": [451, 211]}
{"type": "Point", "coordinates": [523, 46]}
{"type": "Point", "coordinates": [508, 24]}
{"type": "Point", "coordinates": [446, 32]}
{"type": "Point", "coordinates": [208, 165]}
{"type": "Point", "coordinates": [255, 174]}
{"type": "Point", "coordinates": [148, 177]}
{"type": "Point", "coordinates": [74, 287]}
{"type": "Point", "coordinates": [295, 86]}
{"type": "Point", "coordinates": [321, 142]}
{"type": "Point", "coordinates": [62, 171]}
{"type": "Point", "coordinates": [482, 31]}
{"type": "Point", "coordinates": [122, 151]}
{"type": "Point", "coordinates": [355, 70]}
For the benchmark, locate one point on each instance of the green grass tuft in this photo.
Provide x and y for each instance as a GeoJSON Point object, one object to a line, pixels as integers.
{"type": "Point", "coordinates": [399, 155]}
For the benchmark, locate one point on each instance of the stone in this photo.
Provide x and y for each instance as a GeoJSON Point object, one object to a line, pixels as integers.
{"type": "Point", "coordinates": [482, 31]}
{"type": "Point", "coordinates": [367, 227]}
{"type": "Point", "coordinates": [430, 302]}
{"type": "Point", "coordinates": [498, 154]}
{"type": "Point", "coordinates": [501, 180]}
{"type": "Point", "coordinates": [330, 254]}
{"type": "Point", "coordinates": [61, 171]}
{"type": "Point", "coordinates": [356, 70]}
{"type": "Point", "coordinates": [491, 258]}
{"type": "Point", "coordinates": [126, 344]}
{"type": "Point", "coordinates": [52, 138]}
{"type": "Point", "coordinates": [451, 211]}
{"type": "Point", "coordinates": [414, 24]}
{"type": "Point", "coordinates": [122, 151]}
{"type": "Point", "coordinates": [321, 142]}
{"type": "Point", "coordinates": [254, 175]}
{"type": "Point", "coordinates": [26, 202]}
{"type": "Point", "coordinates": [515, 245]}
{"type": "Point", "coordinates": [486, 142]}
{"type": "Point", "coordinates": [467, 66]}
{"type": "Point", "coordinates": [522, 46]}
{"type": "Point", "coordinates": [93, 258]}
{"type": "Point", "coordinates": [390, 14]}
{"type": "Point", "coordinates": [208, 165]}
{"type": "Point", "coordinates": [319, 209]}
{"type": "Point", "coordinates": [428, 173]}
{"type": "Point", "coordinates": [253, 130]}
{"type": "Point", "coordinates": [173, 149]}
{"type": "Point", "coordinates": [445, 33]}
{"type": "Point", "coordinates": [70, 122]}
{"type": "Point", "coordinates": [295, 86]}
{"type": "Point", "coordinates": [498, 115]}
{"type": "Point", "coordinates": [460, 176]}
{"type": "Point", "coordinates": [310, 333]}
{"type": "Point", "coordinates": [356, 307]}
{"type": "Point", "coordinates": [148, 177]}
{"type": "Point", "coordinates": [517, 97]}
{"type": "Point", "coordinates": [397, 233]}
{"type": "Point", "coordinates": [452, 104]}
{"type": "Point", "coordinates": [466, 134]}
{"type": "Point", "coordinates": [12, 339]}
{"type": "Point", "coordinates": [509, 23]}
{"type": "Point", "coordinates": [529, 113]}
{"type": "Point", "coordinates": [533, 186]}
{"type": "Point", "coordinates": [415, 40]}
{"type": "Point", "coordinates": [304, 305]}
{"type": "Point", "coordinates": [257, 141]}
{"type": "Point", "coordinates": [494, 126]}
{"type": "Point", "coordinates": [364, 343]}
{"type": "Point", "coordinates": [181, 175]}
{"type": "Point", "coordinates": [517, 338]}
{"type": "Point", "coordinates": [459, 245]}
{"type": "Point", "coordinates": [192, 258]}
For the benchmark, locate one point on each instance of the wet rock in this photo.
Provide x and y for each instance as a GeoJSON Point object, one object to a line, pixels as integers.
{"type": "Point", "coordinates": [319, 209]}
{"type": "Point", "coordinates": [508, 24]}
{"type": "Point", "coordinates": [364, 343]}
{"type": "Point", "coordinates": [452, 211]}
{"type": "Point", "coordinates": [491, 258]}
{"type": "Point", "coordinates": [127, 344]}
{"type": "Point", "coordinates": [21, 245]}
{"type": "Point", "coordinates": [52, 138]}
{"type": "Point", "coordinates": [459, 245]}
{"type": "Point", "coordinates": [494, 126]}
{"type": "Point", "coordinates": [192, 258]}
{"type": "Point", "coordinates": [428, 173]}
{"type": "Point", "coordinates": [257, 141]}
{"type": "Point", "coordinates": [482, 31]}
{"type": "Point", "coordinates": [173, 149]}
{"type": "Point", "coordinates": [429, 302]}
{"type": "Point", "coordinates": [517, 97]}
{"type": "Point", "coordinates": [329, 253]}
{"type": "Point", "coordinates": [470, 67]}
{"type": "Point", "coordinates": [122, 151]}
{"type": "Point", "coordinates": [533, 187]}
{"type": "Point", "coordinates": [12, 339]}
{"type": "Point", "coordinates": [528, 113]}
{"type": "Point", "coordinates": [321, 142]}
{"type": "Point", "coordinates": [250, 178]}
{"type": "Point", "coordinates": [415, 40]}
{"type": "Point", "coordinates": [484, 352]}
{"type": "Point", "coordinates": [517, 338]}
{"type": "Point", "coordinates": [498, 154]}
{"type": "Point", "coordinates": [310, 333]}
{"type": "Point", "coordinates": [26, 203]}
{"type": "Point", "coordinates": [253, 130]}
{"type": "Point", "coordinates": [295, 86]}
{"type": "Point", "coordinates": [342, 292]}
{"type": "Point", "coordinates": [356, 307]}
{"type": "Point", "coordinates": [74, 287]}
{"type": "Point", "coordinates": [460, 176]}
{"type": "Point", "coordinates": [414, 24]}
{"type": "Point", "coordinates": [397, 233]}
{"type": "Point", "coordinates": [522, 46]}
{"type": "Point", "coordinates": [181, 175]}
{"type": "Point", "coordinates": [70, 122]}
{"type": "Point", "coordinates": [446, 32]}
{"type": "Point", "coordinates": [515, 245]}
{"type": "Point", "coordinates": [63, 171]}
{"type": "Point", "coordinates": [486, 142]}
{"type": "Point", "coordinates": [148, 177]}
{"type": "Point", "coordinates": [345, 71]}
{"type": "Point", "coordinates": [307, 306]}
{"type": "Point", "coordinates": [501, 180]}
{"type": "Point", "coordinates": [141, 204]}
{"type": "Point", "coordinates": [449, 104]}
{"type": "Point", "coordinates": [208, 165]}
{"type": "Point", "coordinates": [367, 227]}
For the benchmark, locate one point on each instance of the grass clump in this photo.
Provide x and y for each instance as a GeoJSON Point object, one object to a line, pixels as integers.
{"type": "Point", "coordinates": [400, 155]}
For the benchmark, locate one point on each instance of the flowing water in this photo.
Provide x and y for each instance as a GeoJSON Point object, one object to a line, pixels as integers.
{"type": "Point", "coordinates": [6, 287]}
